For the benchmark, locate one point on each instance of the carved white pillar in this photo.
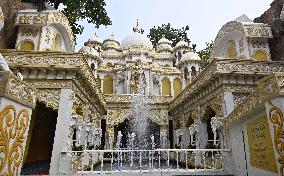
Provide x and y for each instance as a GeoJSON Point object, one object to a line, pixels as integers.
{"type": "Point", "coordinates": [228, 103]}
{"type": "Point", "coordinates": [62, 130]}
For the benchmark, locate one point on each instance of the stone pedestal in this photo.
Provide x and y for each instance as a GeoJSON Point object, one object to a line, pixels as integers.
{"type": "Point", "coordinates": [17, 100]}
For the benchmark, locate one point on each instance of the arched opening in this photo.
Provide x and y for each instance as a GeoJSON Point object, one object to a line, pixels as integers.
{"type": "Point", "coordinates": [185, 73]}
{"type": "Point", "coordinates": [209, 113]}
{"type": "Point", "coordinates": [260, 55]}
{"type": "Point", "coordinates": [231, 49]}
{"type": "Point", "coordinates": [40, 140]}
{"type": "Point", "coordinates": [177, 86]}
{"type": "Point", "coordinates": [166, 86]}
{"type": "Point", "coordinates": [27, 46]}
{"type": "Point", "coordinates": [108, 85]}
{"type": "Point", "coordinates": [57, 43]}
{"type": "Point", "coordinates": [167, 65]}
{"type": "Point", "coordinates": [109, 64]}
{"type": "Point", "coordinates": [193, 71]}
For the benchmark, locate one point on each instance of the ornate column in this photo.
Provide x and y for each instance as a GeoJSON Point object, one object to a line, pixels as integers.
{"type": "Point", "coordinates": [17, 100]}
{"type": "Point", "coordinates": [62, 129]}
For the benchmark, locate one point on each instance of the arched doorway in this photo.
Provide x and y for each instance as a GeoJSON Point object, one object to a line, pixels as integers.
{"type": "Point", "coordinates": [166, 86]}
{"type": "Point", "coordinates": [206, 121]}
{"type": "Point", "coordinates": [40, 140]}
{"type": "Point", "coordinates": [27, 46]}
{"type": "Point", "coordinates": [57, 43]}
{"type": "Point", "coordinates": [108, 85]}
{"type": "Point", "coordinates": [231, 49]}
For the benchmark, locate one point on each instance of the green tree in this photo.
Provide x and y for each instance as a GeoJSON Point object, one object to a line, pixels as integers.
{"type": "Point", "coordinates": [172, 34]}
{"type": "Point", "coordinates": [205, 53]}
{"type": "Point", "coordinates": [91, 10]}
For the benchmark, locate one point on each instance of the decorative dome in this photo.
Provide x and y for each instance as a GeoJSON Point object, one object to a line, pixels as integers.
{"type": "Point", "coordinates": [89, 51]}
{"type": "Point", "coordinates": [181, 43]}
{"type": "Point", "coordinates": [164, 40]}
{"type": "Point", "coordinates": [190, 56]}
{"type": "Point", "coordinates": [136, 39]}
{"type": "Point", "coordinates": [164, 45]}
{"type": "Point", "coordinates": [111, 42]}
{"type": "Point", "coordinates": [95, 39]}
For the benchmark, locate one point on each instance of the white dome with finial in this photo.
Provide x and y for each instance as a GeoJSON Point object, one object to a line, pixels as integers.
{"type": "Point", "coordinates": [111, 42]}
{"type": "Point", "coordinates": [95, 39]}
{"type": "Point", "coordinates": [181, 44]}
{"type": "Point", "coordinates": [190, 56]}
{"type": "Point", "coordinates": [164, 45]}
{"type": "Point", "coordinates": [136, 39]}
{"type": "Point", "coordinates": [164, 40]}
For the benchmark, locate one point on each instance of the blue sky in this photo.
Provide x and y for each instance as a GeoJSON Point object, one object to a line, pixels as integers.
{"type": "Point", "coordinates": [204, 17]}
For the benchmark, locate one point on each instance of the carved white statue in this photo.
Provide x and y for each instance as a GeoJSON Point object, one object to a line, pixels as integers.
{"type": "Point", "coordinates": [3, 64]}
{"type": "Point", "coordinates": [192, 132]}
{"type": "Point", "coordinates": [216, 123]}
{"type": "Point", "coordinates": [164, 140]}
{"type": "Point", "coordinates": [19, 74]}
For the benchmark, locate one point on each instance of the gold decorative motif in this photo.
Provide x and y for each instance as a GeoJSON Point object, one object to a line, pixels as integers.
{"type": "Point", "coordinates": [47, 35]}
{"type": "Point", "coordinates": [39, 19]}
{"type": "Point", "coordinates": [50, 97]}
{"type": "Point", "coordinates": [1, 16]}
{"type": "Point", "coordinates": [257, 31]}
{"type": "Point", "coordinates": [29, 32]}
{"type": "Point", "coordinates": [260, 145]}
{"type": "Point", "coordinates": [17, 90]}
{"type": "Point", "coordinates": [25, 19]}
{"type": "Point", "coordinates": [13, 128]}
{"type": "Point", "coordinates": [276, 118]}
{"type": "Point", "coordinates": [241, 45]}
{"type": "Point", "coordinates": [48, 18]}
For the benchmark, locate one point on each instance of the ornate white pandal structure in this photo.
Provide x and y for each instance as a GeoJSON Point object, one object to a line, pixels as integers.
{"type": "Point", "coordinates": [127, 107]}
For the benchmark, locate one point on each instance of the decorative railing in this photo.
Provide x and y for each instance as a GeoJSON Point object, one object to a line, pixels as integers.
{"type": "Point", "coordinates": [158, 160]}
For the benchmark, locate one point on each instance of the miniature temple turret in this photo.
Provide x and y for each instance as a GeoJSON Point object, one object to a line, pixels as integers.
{"type": "Point", "coordinates": [92, 50]}
{"type": "Point", "coordinates": [189, 66]}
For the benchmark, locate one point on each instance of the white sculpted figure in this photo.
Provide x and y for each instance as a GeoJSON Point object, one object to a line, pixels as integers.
{"type": "Point", "coordinates": [216, 123]}
{"type": "Point", "coordinates": [192, 132]}
{"type": "Point", "coordinates": [3, 64]}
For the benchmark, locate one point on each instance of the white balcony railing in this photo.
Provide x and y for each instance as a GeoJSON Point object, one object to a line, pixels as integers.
{"type": "Point", "coordinates": [161, 160]}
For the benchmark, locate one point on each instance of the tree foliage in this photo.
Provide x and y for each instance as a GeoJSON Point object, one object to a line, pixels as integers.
{"type": "Point", "coordinates": [172, 34]}
{"type": "Point", "coordinates": [75, 10]}
{"type": "Point", "coordinates": [205, 53]}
